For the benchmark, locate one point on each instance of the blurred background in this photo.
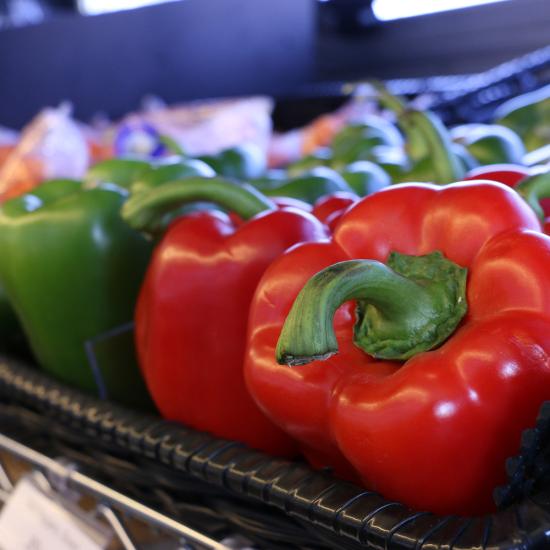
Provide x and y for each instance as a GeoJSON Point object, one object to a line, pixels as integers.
{"type": "Point", "coordinates": [105, 56]}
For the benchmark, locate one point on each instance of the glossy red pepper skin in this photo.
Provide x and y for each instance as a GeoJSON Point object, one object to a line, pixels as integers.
{"type": "Point", "coordinates": [433, 432]}
{"type": "Point", "coordinates": [330, 208]}
{"type": "Point", "coordinates": [281, 202]}
{"type": "Point", "coordinates": [327, 209]}
{"type": "Point", "coordinates": [508, 174]}
{"type": "Point", "coordinates": [291, 202]}
{"type": "Point", "coordinates": [192, 314]}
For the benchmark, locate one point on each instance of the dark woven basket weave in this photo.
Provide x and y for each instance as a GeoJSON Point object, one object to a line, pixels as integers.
{"type": "Point", "coordinates": [220, 486]}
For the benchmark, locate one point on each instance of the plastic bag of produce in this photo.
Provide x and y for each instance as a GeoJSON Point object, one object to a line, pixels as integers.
{"type": "Point", "coordinates": [8, 141]}
{"type": "Point", "coordinates": [51, 146]}
{"type": "Point", "coordinates": [198, 128]}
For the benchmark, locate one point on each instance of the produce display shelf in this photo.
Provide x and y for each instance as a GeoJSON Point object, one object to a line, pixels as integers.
{"type": "Point", "coordinates": [217, 486]}
{"type": "Point", "coordinates": [457, 99]}
{"type": "Point", "coordinates": [62, 478]}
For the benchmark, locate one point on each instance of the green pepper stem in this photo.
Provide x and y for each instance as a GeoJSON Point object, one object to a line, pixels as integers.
{"type": "Point", "coordinates": [388, 100]}
{"type": "Point", "coordinates": [309, 188]}
{"type": "Point", "coordinates": [143, 210]}
{"type": "Point", "coordinates": [534, 188]}
{"type": "Point", "coordinates": [409, 306]}
{"type": "Point", "coordinates": [447, 166]}
{"type": "Point", "coordinates": [426, 138]}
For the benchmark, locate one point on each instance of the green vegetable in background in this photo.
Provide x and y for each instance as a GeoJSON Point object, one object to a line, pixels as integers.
{"type": "Point", "coordinates": [120, 171]}
{"type": "Point", "coordinates": [170, 171]}
{"type": "Point", "coordinates": [360, 140]}
{"type": "Point", "coordinates": [321, 157]}
{"type": "Point", "coordinates": [311, 186]}
{"type": "Point", "coordinates": [529, 116]}
{"type": "Point", "coordinates": [365, 177]}
{"type": "Point", "coordinates": [72, 272]}
{"type": "Point", "coordinates": [467, 160]}
{"type": "Point", "coordinates": [490, 143]}
{"type": "Point", "coordinates": [427, 143]}
{"type": "Point", "coordinates": [242, 162]}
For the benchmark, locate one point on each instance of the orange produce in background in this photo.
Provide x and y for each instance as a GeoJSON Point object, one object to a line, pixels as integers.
{"type": "Point", "coordinates": [51, 146]}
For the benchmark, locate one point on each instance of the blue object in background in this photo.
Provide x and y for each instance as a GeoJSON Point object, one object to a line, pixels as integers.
{"type": "Point", "coordinates": [138, 139]}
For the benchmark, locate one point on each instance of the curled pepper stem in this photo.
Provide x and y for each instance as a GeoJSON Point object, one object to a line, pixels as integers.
{"type": "Point", "coordinates": [144, 209]}
{"type": "Point", "coordinates": [390, 101]}
{"type": "Point", "coordinates": [426, 138]}
{"type": "Point", "coordinates": [534, 188]}
{"type": "Point", "coordinates": [408, 306]}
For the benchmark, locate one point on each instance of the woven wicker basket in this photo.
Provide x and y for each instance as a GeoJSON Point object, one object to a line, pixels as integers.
{"type": "Point", "coordinates": [220, 486]}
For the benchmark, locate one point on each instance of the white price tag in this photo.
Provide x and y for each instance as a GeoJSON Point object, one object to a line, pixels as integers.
{"type": "Point", "coordinates": [33, 520]}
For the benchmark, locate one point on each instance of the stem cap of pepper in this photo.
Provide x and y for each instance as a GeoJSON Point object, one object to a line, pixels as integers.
{"type": "Point", "coordinates": [411, 305]}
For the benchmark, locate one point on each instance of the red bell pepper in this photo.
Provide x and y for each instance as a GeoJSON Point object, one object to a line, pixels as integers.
{"type": "Point", "coordinates": [330, 208]}
{"type": "Point", "coordinates": [192, 310]}
{"type": "Point", "coordinates": [509, 174]}
{"type": "Point", "coordinates": [431, 429]}
{"type": "Point", "coordinates": [280, 202]}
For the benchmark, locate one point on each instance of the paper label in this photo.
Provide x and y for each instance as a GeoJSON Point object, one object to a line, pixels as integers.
{"type": "Point", "coordinates": [34, 520]}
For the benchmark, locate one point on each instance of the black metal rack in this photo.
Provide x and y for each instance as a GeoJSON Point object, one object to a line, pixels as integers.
{"type": "Point", "coordinates": [215, 485]}
{"type": "Point", "coordinates": [456, 99]}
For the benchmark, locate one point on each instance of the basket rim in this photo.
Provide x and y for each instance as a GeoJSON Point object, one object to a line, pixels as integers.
{"type": "Point", "coordinates": [314, 498]}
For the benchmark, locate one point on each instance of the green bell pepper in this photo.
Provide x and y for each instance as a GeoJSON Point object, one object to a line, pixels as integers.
{"type": "Point", "coordinates": [272, 178]}
{"type": "Point", "coordinates": [529, 116]}
{"type": "Point", "coordinates": [12, 339]}
{"type": "Point", "coordinates": [365, 177]}
{"type": "Point", "coordinates": [120, 171]}
{"type": "Point", "coordinates": [137, 176]}
{"type": "Point", "coordinates": [72, 272]}
{"type": "Point", "coordinates": [11, 333]}
{"type": "Point", "coordinates": [533, 189]}
{"type": "Point", "coordinates": [311, 186]}
{"type": "Point", "coordinates": [490, 143]}
{"type": "Point", "coordinates": [170, 171]}
{"type": "Point", "coordinates": [321, 157]}
{"type": "Point", "coordinates": [467, 160]}
{"type": "Point", "coordinates": [360, 141]}
{"type": "Point", "coordinates": [427, 143]}
{"type": "Point", "coordinates": [242, 162]}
